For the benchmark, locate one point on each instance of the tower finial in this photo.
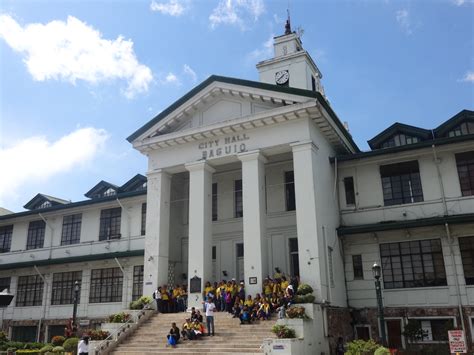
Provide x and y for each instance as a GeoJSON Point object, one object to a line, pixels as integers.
{"type": "Point", "coordinates": [288, 25]}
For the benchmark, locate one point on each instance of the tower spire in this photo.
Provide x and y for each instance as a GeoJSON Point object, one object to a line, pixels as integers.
{"type": "Point", "coordinates": [288, 24]}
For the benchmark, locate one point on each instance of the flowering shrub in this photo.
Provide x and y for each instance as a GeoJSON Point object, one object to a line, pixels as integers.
{"type": "Point", "coordinates": [140, 303]}
{"type": "Point", "coordinates": [97, 334]}
{"type": "Point", "coordinates": [304, 289]}
{"type": "Point", "coordinates": [296, 312]}
{"type": "Point", "coordinates": [304, 299]}
{"type": "Point", "coordinates": [58, 340]}
{"type": "Point", "coordinates": [119, 317]}
{"type": "Point", "coordinates": [283, 332]}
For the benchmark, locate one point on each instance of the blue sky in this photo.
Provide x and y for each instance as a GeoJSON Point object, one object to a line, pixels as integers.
{"type": "Point", "coordinates": [78, 77]}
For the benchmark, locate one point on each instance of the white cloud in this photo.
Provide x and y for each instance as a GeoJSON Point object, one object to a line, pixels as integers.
{"type": "Point", "coordinates": [37, 159]}
{"type": "Point", "coordinates": [72, 51]}
{"type": "Point", "coordinates": [264, 52]}
{"type": "Point", "coordinates": [462, 2]}
{"type": "Point", "coordinates": [171, 78]}
{"type": "Point", "coordinates": [403, 19]}
{"type": "Point", "coordinates": [190, 72]}
{"type": "Point", "coordinates": [468, 77]}
{"type": "Point", "coordinates": [172, 7]}
{"type": "Point", "coordinates": [235, 12]}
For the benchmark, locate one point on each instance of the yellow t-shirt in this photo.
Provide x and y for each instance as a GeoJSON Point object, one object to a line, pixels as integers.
{"type": "Point", "coordinates": [284, 285]}
{"type": "Point", "coordinates": [248, 303]}
{"type": "Point", "coordinates": [268, 289]}
{"type": "Point", "coordinates": [176, 292]}
{"type": "Point", "coordinates": [164, 296]}
{"type": "Point", "coordinates": [208, 289]}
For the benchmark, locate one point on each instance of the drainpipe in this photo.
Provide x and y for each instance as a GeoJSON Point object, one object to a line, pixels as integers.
{"type": "Point", "coordinates": [52, 235]}
{"type": "Point", "coordinates": [125, 279]}
{"type": "Point", "coordinates": [128, 223]}
{"type": "Point", "coordinates": [45, 302]}
{"type": "Point", "coordinates": [437, 161]}
{"type": "Point", "coordinates": [458, 288]}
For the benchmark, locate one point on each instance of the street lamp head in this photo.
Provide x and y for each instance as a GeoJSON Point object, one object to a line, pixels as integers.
{"type": "Point", "coordinates": [377, 271]}
{"type": "Point", "coordinates": [76, 286]}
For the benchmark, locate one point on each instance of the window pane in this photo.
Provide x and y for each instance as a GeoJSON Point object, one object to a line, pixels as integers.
{"type": "Point", "coordinates": [71, 232]}
{"type": "Point", "coordinates": [358, 267]}
{"type": "Point", "coordinates": [238, 203]}
{"type": "Point", "coordinates": [290, 191]}
{"type": "Point", "coordinates": [401, 183]}
{"type": "Point", "coordinates": [465, 165]}
{"type": "Point", "coordinates": [466, 245]}
{"type": "Point", "coordinates": [349, 189]}
{"type": "Point", "coordinates": [35, 239]}
{"type": "Point", "coordinates": [137, 282]}
{"type": "Point", "coordinates": [110, 220]}
{"type": "Point", "coordinates": [5, 238]}
{"type": "Point", "coordinates": [106, 285]}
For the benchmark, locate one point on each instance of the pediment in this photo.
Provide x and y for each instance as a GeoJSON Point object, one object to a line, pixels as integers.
{"type": "Point", "coordinates": [216, 101]}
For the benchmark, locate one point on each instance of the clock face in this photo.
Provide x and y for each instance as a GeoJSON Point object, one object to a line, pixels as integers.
{"type": "Point", "coordinates": [282, 77]}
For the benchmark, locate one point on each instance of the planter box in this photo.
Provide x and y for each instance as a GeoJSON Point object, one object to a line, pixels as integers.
{"type": "Point", "coordinates": [283, 346]}
{"type": "Point", "coordinates": [111, 328]}
{"type": "Point", "coordinates": [295, 323]}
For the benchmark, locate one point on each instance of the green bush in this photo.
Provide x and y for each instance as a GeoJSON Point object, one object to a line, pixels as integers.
{"type": "Point", "coordinates": [304, 298]}
{"type": "Point", "coordinates": [283, 332]}
{"type": "Point", "coordinates": [70, 345]}
{"type": "Point", "coordinates": [304, 289]}
{"type": "Point", "coordinates": [58, 340]}
{"type": "Point", "coordinates": [33, 345]}
{"type": "Point", "coordinates": [58, 349]}
{"type": "Point", "coordinates": [121, 317]}
{"type": "Point", "coordinates": [296, 312]}
{"type": "Point", "coordinates": [46, 349]}
{"type": "Point", "coordinates": [361, 347]}
{"type": "Point", "coordinates": [3, 337]}
{"type": "Point", "coordinates": [382, 351]}
{"type": "Point", "coordinates": [140, 303]}
{"type": "Point", "coordinates": [28, 351]}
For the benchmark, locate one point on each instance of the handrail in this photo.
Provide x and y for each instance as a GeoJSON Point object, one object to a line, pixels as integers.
{"type": "Point", "coordinates": [108, 342]}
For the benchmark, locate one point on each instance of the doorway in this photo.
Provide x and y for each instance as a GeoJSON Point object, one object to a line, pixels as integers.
{"type": "Point", "coordinates": [394, 333]}
{"type": "Point", "coordinates": [294, 257]}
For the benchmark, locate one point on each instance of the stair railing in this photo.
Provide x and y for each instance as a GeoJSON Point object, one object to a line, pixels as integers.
{"type": "Point", "coordinates": [115, 337]}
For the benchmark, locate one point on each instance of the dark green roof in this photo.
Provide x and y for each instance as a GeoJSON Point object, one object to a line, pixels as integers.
{"type": "Point", "coordinates": [72, 259]}
{"type": "Point", "coordinates": [397, 127]}
{"type": "Point", "coordinates": [100, 187]}
{"type": "Point", "coordinates": [248, 83]}
{"type": "Point", "coordinates": [464, 115]}
{"type": "Point", "coordinates": [422, 222]}
{"type": "Point", "coordinates": [73, 205]}
{"type": "Point", "coordinates": [403, 148]}
{"type": "Point", "coordinates": [41, 198]}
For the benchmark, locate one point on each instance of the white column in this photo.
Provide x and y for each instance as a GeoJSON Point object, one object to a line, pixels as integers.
{"type": "Point", "coordinates": [255, 246]}
{"type": "Point", "coordinates": [200, 227]}
{"type": "Point", "coordinates": [157, 236]}
{"type": "Point", "coordinates": [304, 166]}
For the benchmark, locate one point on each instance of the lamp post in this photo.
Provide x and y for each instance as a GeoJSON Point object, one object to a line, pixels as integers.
{"type": "Point", "coordinates": [74, 311]}
{"type": "Point", "coordinates": [377, 271]}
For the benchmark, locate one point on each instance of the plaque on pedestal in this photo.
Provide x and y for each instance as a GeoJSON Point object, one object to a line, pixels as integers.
{"type": "Point", "coordinates": [195, 285]}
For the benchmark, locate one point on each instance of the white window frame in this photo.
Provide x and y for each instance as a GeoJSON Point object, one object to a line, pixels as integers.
{"type": "Point", "coordinates": [455, 323]}
{"type": "Point", "coordinates": [362, 326]}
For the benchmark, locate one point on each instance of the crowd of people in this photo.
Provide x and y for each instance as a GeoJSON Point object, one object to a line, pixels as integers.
{"type": "Point", "coordinates": [226, 296]}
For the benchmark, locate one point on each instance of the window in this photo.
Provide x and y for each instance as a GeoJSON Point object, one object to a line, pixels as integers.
{"type": "Point", "coordinates": [313, 83]}
{"type": "Point", "coordinates": [290, 190]}
{"type": "Point", "coordinates": [71, 233]}
{"type": "Point", "coordinates": [55, 330]}
{"type": "Point", "coordinates": [24, 334]}
{"type": "Point", "coordinates": [5, 238]}
{"type": "Point", "coordinates": [349, 189]}
{"type": "Point", "coordinates": [137, 291]}
{"type": "Point", "coordinates": [143, 229]}
{"type": "Point", "coordinates": [110, 192]}
{"type": "Point", "coordinates": [63, 287]}
{"type": "Point", "coordinates": [465, 164]}
{"type": "Point", "coordinates": [294, 257]}
{"type": "Point", "coordinates": [45, 204]}
{"type": "Point", "coordinates": [331, 268]}
{"type": "Point", "coordinates": [362, 332]}
{"type": "Point", "coordinates": [358, 267]}
{"type": "Point", "coordinates": [435, 329]}
{"type": "Point", "coordinates": [29, 291]}
{"type": "Point", "coordinates": [398, 140]}
{"type": "Point", "coordinates": [466, 245]}
{"type": "Point", "coordinates": [214, 201]}
{"type": "Point", "coordinates": [240, 250]}
{"type": "Point", "coordinates": [214, 252]}
{"type": "Point", "coordinates": [401, 183]}
{"type": "Point", "coordinates": [238, 203]}
{"type": "Point", "coordinates": [106, 285]}
{"type": "Point", "coordinates": [35, 238]}
{"type": "Point", "coordinates": [110, 223]}
{"type": "Point", "coordinates": [413, 264]}
{"type": "Point", "coordinates": [462, 130]}
{"type": "Point", "coordinates": [4, 283]}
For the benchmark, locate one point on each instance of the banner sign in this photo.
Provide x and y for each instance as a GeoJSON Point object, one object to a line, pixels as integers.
{"type": "Point", "coordinates": [457, 342]}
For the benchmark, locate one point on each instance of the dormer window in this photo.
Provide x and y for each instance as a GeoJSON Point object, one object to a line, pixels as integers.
{"type": "Point", "coordinates": [45, 204]}
{"type": "Point", "coordinates": [398, 140]}
{"type": "Point", "coordinates": [462, 129]}
{"type": "Point", "coordinates": [110, 192]}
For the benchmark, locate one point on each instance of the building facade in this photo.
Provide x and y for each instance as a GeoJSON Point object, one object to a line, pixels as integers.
{"type": "Point", "coordinates": [245, 177]}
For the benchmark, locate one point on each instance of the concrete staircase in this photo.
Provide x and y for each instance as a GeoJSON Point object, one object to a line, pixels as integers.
{"type": "Point", "coordinates": [231, 337]}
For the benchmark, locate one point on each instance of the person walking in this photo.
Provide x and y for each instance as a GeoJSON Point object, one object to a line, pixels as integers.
{"type": "Point", "coordinates": [157, 298]}
{"type": "Point", "coordinates": [83, 346]}
{"type": "Point", "coordinates": [210, 308]}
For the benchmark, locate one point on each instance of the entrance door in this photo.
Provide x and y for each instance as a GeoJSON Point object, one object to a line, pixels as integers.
{"type": "Point", "coordinates": [394, 333]}
{"type": "Point", "coordinates": [240, 261]}
{"type": "Point", "coordinates": [214, 263]}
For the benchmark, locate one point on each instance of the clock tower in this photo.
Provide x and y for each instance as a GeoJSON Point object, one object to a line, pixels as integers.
{"type": "Point", "coordinates": [291, 66]}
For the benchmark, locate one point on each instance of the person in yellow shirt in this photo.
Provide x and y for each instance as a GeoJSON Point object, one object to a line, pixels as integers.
{"type": "Point", "coordinates": [264, 310]}
{"type": "Point", "coordinates": [267, 288]}
{"type": "Point", "coordinates": [249, 302]}
{"type": "Point", "coordinates": [165, 299]}
{"type": "Point", "coordinates": [284, 283]}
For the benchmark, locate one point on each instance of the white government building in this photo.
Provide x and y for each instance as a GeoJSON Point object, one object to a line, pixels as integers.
{"type": "Point", "coordinates": [246, 176]}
